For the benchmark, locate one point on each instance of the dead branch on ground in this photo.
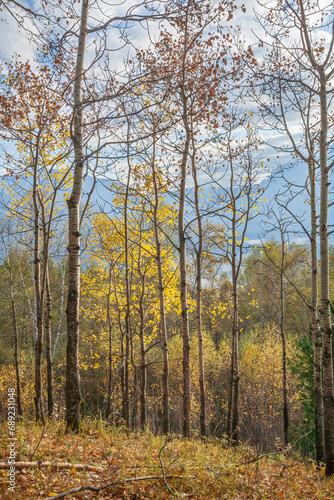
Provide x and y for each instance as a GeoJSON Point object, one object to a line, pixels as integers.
{"type": "Point", "coordinates": [163, 469]}
{"type": "Point", "coordinates": [53, 465]}
{"type": "Point", "coordinates": [281, 452]}
{"type": "Point", "coordinates": [88, 487]}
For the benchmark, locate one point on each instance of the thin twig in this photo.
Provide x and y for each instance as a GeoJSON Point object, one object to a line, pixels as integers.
{"type": "Point", "coordinates": [288, 448]}
{"type": "Point", "coordinates": [163, 469]}
{"type": "Point", "coordinates": [287, 467]}
{"type": "Point", "coordinates": [40, 439]}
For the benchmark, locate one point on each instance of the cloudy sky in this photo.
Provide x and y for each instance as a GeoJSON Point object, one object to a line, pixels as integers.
{"type": "Point", "coordinates": [14, 39]}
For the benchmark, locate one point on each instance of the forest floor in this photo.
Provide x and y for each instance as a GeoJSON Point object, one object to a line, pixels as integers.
{"type": "Point", "coordinates": [176, 468]}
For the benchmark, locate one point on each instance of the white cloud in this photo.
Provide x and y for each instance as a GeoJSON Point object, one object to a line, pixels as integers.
{"type": "Point", "coordinates": [14, 40]}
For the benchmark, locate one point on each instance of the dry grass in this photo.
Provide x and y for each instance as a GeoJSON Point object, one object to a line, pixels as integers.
{"type": "Point", "coordinates": [208, 469]}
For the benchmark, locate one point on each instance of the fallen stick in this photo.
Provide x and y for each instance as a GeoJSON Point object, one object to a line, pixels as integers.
{"type": "Point", "coordinates": [53, 465]}
{"type": "Point", "coordinates": [281, 452]}
{"type": "Point", "coordinates": [88, 487]}
{"type": "Point", "coordinates": [40, 440]}
{"type": "Point", "coordinates": [163, 469]}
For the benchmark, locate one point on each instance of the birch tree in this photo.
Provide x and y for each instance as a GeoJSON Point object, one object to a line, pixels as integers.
{"type": "Point", "coordinates": [80, 135]}
{"type": "Point", "coordinates": [34, 120]}
{"type": "Point", "coordinates": [306, 60]}
{"type": "Point", "coordinates": [186, 66]}
{"type": "Point", "coordinates": [304, 151]}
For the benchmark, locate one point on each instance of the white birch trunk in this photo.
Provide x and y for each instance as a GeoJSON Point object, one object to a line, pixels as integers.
{"type": "Point", "coordinates": [72, 388]}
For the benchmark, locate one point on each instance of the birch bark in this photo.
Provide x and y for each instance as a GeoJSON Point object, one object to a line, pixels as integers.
{"type": "Point", "coordinates": [39, 294]}
{"type": "Point", "coordinates": [16, 344]}
{"type": "Point", "coordinates": [162, 310]}
{"type": "Point", "coordinates": [182, 248]}
{"type": "Point", "coordinates": [324, 302]}
{"type": "Point", "coordinates": [72, 387]}
{"type": "Point", "coordinates": [315, 327]}
{"type": "Point", "coordinates": [199, 253]}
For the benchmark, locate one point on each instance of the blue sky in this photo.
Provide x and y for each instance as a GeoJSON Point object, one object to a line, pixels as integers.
{"type": "Point", "coordinates": [14, 39]}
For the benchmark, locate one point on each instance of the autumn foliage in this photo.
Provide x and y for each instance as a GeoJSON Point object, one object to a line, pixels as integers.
{"type": "Point", "coordinates": [137, 302]}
